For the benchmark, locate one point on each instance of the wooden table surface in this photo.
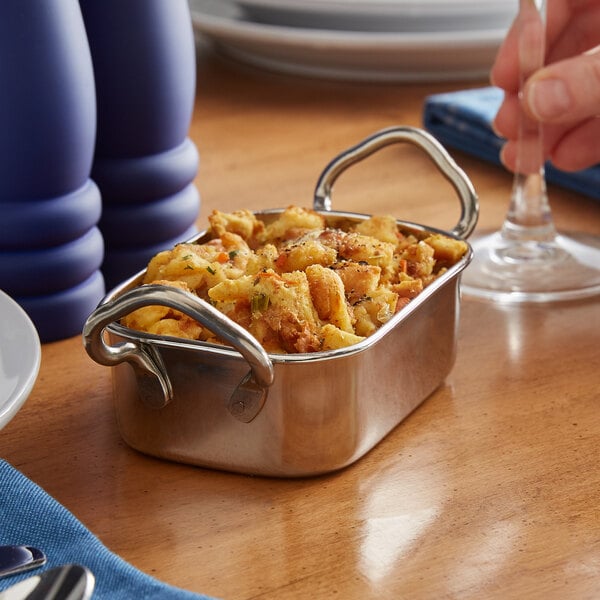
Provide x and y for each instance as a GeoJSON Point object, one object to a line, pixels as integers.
{"type": "Point", "coordinates": [490, 489]}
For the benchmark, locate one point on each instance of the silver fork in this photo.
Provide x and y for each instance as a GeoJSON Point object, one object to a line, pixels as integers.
{"type": "Point", "coordinates": [16, 559]}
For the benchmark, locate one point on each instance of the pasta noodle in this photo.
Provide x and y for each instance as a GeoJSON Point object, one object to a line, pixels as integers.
{"type": "Point", "coordinates": [295, 283]}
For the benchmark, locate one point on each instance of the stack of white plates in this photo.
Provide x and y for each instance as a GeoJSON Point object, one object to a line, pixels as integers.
{"type": "Point", "coordinates": [365, 40]}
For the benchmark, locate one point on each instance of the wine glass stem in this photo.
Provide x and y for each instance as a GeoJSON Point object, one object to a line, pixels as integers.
{"type": "Point", "coordinates": [529, 217]}
{"type": "Point", "coordinates": [527, 260]}
{"type": "Point", "coordinates": [528, 225]}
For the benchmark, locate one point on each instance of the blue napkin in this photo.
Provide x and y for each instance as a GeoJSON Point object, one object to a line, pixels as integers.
{"type": "Point", "coordinates": [29, 516]}
{"type": "Point", "coordinates": [463, 120]}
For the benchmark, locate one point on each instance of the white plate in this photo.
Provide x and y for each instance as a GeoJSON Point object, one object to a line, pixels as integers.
{"type": "Point", "coordinates": [383, 15]}
{"type": "Point", "coordinates": [351, 55]}
{"type": "Point", "coordinates": [390, 6]}
{"type": "Point", "coordinates": [20, 356]}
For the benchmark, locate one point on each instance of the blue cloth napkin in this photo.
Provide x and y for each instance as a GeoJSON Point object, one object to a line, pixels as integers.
{"type": "Point", "coordinates": [29, 516]}
{"type": "Point", "coordinates": [463, 120]}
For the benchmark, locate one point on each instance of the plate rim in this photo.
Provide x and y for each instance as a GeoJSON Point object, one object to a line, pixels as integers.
{"type": "Point", "coordinates": [350, 56]}
{"type": "Point", "coordinates": [384, 8]}
{"type": "Point", "coordinates": [29, 367]}
{"type": "Point", "coordinates": [230, 22]}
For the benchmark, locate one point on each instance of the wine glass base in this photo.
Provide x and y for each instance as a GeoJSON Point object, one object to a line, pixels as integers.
{"type": "Point", "coordinates": [566, 268]}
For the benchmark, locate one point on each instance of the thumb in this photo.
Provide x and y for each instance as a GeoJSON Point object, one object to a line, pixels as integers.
{"type": "Point", "coordinates": [565, 92]}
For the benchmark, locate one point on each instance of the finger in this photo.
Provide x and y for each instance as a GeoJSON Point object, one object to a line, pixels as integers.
{"type": "Point", "coordinates": [568, 149]}
{"type": "Point", "coordinates": [506, 121]}
{"type": "Point", "coordinates": [505, 70]}
{"type": "Point", "coordinates": [565, 92]}
{"type": "Point", "coordinates": [524, 159]}
{"type": "Point", "coordinates": [573, 29]}
{"type": "Point", "coordinates": [552, 136]}
{"type": "Point", "coordinates": [579, 148]}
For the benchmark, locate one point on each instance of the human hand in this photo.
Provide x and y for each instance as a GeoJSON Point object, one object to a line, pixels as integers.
{"type": "Point", "coordinates": [564, 95]}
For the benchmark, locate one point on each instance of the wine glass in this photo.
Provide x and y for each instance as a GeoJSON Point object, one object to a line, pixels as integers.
{"type": "Point", "coordinates": [527, 260]}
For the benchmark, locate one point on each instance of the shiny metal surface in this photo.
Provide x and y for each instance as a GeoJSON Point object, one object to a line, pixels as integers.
{"type": "Point", "coordinates": [154, 378]}
{"type": "Point", "coordinates": [321, 413]}
{"type": "Point", "coordinates": [412, 135]}
{"type": "Point", "coordinates": [16, 559]}
{"type": "Point", "coordinates": [68, 582]}
{"type": "Point", "coordinates": [318, 413]}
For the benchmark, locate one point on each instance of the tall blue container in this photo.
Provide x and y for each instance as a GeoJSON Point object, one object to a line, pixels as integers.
{"type": "Point", "coordinates": [50, 247]}
{"type": "Point", "coordinates": [145, 70]}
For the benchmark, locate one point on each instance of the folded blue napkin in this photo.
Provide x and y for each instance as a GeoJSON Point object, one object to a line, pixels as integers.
{"type": "Point", "coordinates": [29, 516]}
{"type": "Point", "coordinates": [463, 120]}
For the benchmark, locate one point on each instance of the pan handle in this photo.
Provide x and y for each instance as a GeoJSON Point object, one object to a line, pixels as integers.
{"type": "Point", "coordinates": [425, 141]}
{"type": "Point", "coordinates": [147, 362]}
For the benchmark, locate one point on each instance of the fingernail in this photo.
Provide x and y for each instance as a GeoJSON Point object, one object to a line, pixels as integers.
{"type": "Point", "coordinates": [548, 99]}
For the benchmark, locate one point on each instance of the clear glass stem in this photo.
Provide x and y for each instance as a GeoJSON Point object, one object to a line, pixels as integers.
{"type": "Point", "coordinates": [528, 228]}
{"type": "Point", "coordinates": [527, 260]}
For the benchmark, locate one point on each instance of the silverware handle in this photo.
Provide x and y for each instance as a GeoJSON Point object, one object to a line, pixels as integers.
{"type": "Point", "coordinates": [145, 359]}
{"type": "Point", "coordinates": [392, 135]}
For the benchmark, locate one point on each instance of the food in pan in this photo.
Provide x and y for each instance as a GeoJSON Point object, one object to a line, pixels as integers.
{"type": "Point", "coordinates": [297, 283]}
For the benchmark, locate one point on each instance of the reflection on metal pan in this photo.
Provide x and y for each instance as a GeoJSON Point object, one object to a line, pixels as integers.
{"type": "Point", "coordinates": [241, 409]}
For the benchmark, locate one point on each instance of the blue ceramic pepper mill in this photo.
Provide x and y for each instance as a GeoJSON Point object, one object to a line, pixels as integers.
{"type": "Point", "coordinates": [50, 247]}
{"type": "Point", "coordinates": [143, 53]}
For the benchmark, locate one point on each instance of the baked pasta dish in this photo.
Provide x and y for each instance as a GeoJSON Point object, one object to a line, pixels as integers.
{"type": "Point", "coordinates": [296, 283]}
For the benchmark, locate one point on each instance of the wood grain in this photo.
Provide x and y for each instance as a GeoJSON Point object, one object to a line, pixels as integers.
{"type": "Point", "coordinates": [489, 490]}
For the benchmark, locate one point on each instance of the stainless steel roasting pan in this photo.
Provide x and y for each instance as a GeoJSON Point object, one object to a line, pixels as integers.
{"type": "Point", "coordinates": [288, 415]}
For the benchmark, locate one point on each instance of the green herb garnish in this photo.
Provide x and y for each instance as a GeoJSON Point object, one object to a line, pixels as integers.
{"type": "Point", "coordinates": [259, 302]}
